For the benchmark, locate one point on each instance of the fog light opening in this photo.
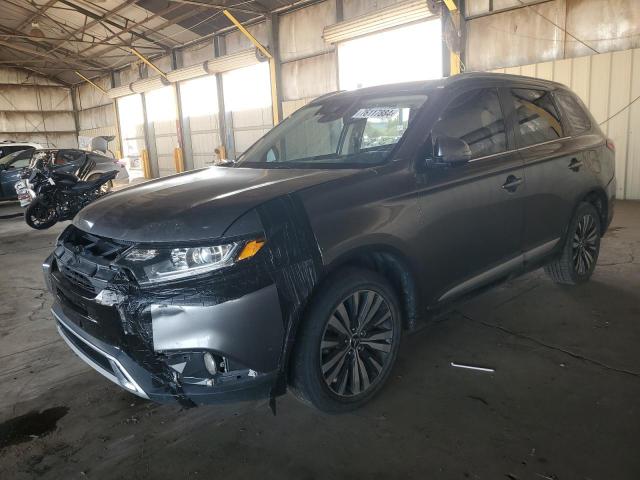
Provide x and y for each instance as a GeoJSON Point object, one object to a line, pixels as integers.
{"type": "Point", "coordinates": [210, 363]}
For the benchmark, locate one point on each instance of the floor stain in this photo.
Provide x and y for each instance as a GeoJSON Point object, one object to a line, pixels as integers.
{"type": "Point", "coordinates": [30, 426]}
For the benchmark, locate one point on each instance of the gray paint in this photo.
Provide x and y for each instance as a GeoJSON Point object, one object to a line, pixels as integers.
{"type": "Point", "coordinates": [193, 206]}
{"type": "Point", "coordinates": [255, 335]}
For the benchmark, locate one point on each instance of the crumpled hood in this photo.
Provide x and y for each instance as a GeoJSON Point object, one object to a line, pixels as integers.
{"type": "Point", "coordinates": [192, 206]}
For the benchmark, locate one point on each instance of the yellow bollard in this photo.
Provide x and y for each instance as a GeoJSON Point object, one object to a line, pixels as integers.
{"type": "Point", "coordinates": [178, 160]}
{"type": "Point", "coordinates": [146, 166]}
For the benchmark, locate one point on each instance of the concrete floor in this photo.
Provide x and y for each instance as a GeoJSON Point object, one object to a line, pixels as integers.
{"type": "Point", "coordinates": [562, 403]}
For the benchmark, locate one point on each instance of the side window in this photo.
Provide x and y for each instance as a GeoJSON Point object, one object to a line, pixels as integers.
{"type": "Point", "coordinates": [475, 117]}
{"type": "Point", "coordinates": [537, 116]}
{"type": "Point", "coordinates": [574, 112]}
{"type": "Point", "coordinates": [22, 162]}
{"type": "Point", "coordinates": [66, 156]}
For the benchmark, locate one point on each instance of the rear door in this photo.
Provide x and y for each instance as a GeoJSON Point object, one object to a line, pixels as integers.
{"type": "Point", "coordinates": [554, 169]}
{"type": "Point", "coordinates": [473, 213]}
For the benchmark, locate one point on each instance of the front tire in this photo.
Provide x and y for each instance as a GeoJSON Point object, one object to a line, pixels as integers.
{"type": "Point", "coordinates": [580, 252]}
{"type": "Point", "coordinates": [40, 217]}
{"type": "Point", "coordinates": [348, 342]}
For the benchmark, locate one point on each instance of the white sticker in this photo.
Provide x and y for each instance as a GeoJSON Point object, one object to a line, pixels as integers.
{"type": "Point", "coordinates": [379, 112]}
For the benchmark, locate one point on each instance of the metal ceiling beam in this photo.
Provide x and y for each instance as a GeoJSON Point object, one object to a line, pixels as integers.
{"type": "Point", "coordinates": [67, 53]}
{"type": "Point", "coordinates": [149, 63]}
{"type": "Point", "coordinates": [28, 51]}
{"type": "Point", "coordinates": [43, 63]}
{"type": "Point", "coordinates": [117, 25]}
{"type": "Point", "coordinates": [221, 7]}
{"type": "Point", "coordinates": [35, 16]}
{"type": "Point", "coordinates": [96, 42]}
{"type": "Point", "coordinates": [168, 23]}
{"type": "Point", "coordinates": [93, 23]}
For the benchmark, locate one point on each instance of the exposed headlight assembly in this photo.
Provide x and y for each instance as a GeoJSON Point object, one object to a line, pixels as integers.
{"type": "Point", "coordinates": [156, 265]}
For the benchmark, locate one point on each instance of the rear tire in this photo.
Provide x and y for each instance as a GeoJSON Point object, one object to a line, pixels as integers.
{"type": "Point", "coordinates": [580, 251]}
{"type": "Point", "coordinates": [348, 342]}
{"type": "Point", "coordinates": [40, 217]}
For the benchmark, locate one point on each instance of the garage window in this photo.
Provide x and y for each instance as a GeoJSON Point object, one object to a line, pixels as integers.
{"type": "Point", "coordinates": [387, 57]}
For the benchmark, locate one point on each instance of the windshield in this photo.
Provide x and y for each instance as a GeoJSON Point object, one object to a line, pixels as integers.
{"type": "Point", "coordinates": [15, 157]}
{"type": "Point", "coordinates": [344, 131]}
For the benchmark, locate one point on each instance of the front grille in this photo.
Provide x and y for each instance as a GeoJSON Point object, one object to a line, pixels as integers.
{"type": "Point", "coordinates": [75, 306]}
{"type": "Point", "coordinates": [96, 249]}
{"type": "Point", "coordinates": [76, 278]}
{"type": "Point", "coordinates": [91, 353]}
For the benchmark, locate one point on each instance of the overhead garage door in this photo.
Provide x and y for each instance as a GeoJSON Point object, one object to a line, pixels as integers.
{"type": "Point", "coordinates": [162, 118]}
{"type": "Point", "coordinates": [386, 57]}
{"type": "Point", "coordinates": [399, 43]}
{"type": "Point", "coordinates": [131, 119]}
{"type": "Point", "coordinates": [200, 111]}
{"type": "Point", "coordinates": [247, 99]}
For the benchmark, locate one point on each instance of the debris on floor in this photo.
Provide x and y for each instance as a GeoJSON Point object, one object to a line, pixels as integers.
{"type": "Point", "coordinates": [472, 367]}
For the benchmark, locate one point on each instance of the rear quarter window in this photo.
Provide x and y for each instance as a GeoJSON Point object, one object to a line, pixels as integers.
{"type": "Point", "coordinates": [538, 118]}
{"type": "Point", "coordinates": [577, 118]}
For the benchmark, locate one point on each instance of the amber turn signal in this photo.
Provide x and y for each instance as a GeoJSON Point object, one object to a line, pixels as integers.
{"type": "Point", "coordinates": [250, 249]}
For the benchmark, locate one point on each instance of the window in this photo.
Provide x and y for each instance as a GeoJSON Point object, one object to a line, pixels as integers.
{"type": "Point", "coordinates": [475, 117]}
{"type": "Point", "coordinates": [67, 156]}
{"type": "Point", "coordinates": [347, 130]}
{"type": "Point", "coordinates": [4, 151]}
{"type": "Point", "coordinates": [18, 159]}
{"type": "Point", "coordinates": [537, 116]}
{"type": "Point", "coordinates": [21, 162]}
{"type": "Point", "coordinates": [574, 112]}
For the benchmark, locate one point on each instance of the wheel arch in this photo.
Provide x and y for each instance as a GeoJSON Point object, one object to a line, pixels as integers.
{"type": "Point", "coordinates": [598, 198]}
{"type": "Point", "coordinates": [391, 264]}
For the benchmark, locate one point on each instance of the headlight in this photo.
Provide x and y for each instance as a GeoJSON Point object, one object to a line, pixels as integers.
{"type": "Point", "coordinates": [155, 265]}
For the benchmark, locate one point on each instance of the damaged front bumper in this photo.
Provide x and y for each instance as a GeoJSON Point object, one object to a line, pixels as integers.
{"type": "Point", "coordinates": [154, 346]}
{"type": "Point", "coordinates": [223, 336]}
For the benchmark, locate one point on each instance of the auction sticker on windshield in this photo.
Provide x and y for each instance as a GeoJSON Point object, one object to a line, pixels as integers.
{"type": "Point", "coordinates": [376, 113]}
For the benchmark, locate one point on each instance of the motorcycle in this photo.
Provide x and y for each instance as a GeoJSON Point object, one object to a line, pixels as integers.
{"type": "Point", "coordinates": [50, 196]}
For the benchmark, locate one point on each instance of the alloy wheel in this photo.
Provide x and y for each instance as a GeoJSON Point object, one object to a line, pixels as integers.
{"type": "Point", "coordinates": [585, 244]}
{"type": "Point", "coordinates": [356, 344]}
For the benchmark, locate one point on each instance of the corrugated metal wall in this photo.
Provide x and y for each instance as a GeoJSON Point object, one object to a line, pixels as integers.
{"type": "Point", "coordinates": [35, 109]}
{"type": "Point", "coordinates": [537, 33]}
{"type": "Point", "coordinates": [96, 115]}
{"type": "Point", "coordinates": [309, 64]}
{"type": "Point", "coordinates": [607, 83]}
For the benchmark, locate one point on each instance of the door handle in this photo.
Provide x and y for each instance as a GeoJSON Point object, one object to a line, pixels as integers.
{"type": "Point", "coordinates": [512, 183]}
{"type": "Point", "coordinates": [575, 164]}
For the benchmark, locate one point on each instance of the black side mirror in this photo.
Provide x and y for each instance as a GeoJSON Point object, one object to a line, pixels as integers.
{"type": "Point", "coordinates": [452, 151]}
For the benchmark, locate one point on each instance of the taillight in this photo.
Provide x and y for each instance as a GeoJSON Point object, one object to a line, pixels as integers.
{"type": "Point", "coordinates": [610, 145]}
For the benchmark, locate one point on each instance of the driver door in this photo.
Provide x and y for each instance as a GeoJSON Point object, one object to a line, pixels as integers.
{"type": "Point", "coordinates": [473, 214]}
{"type": "Point", "coordinates": [10, 175]}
